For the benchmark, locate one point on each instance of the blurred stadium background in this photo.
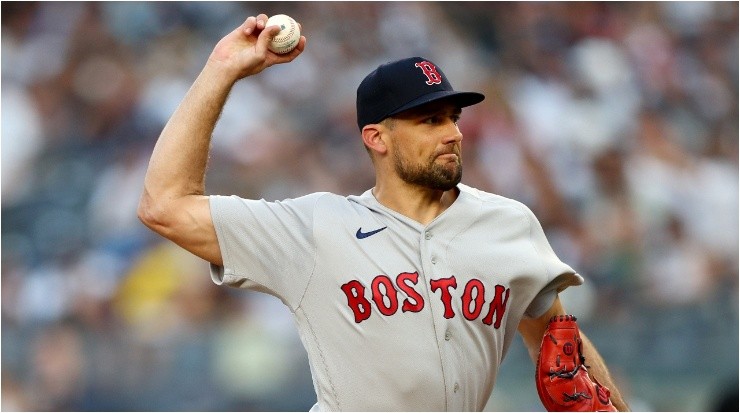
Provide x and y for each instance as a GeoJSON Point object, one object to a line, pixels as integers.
{"type": "Point", "coordinates": [617, 123]}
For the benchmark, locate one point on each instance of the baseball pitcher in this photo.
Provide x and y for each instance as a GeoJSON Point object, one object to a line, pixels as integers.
{"type": "Point", "coordinates": [406, 297]}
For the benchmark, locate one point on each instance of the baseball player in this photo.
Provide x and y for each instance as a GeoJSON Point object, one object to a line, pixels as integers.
{"type": "Point", "coordinates": [406, 297]}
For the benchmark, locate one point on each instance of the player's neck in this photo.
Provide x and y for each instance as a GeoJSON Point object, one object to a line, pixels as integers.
{"type": "Point", "coordinates": [418, 203]}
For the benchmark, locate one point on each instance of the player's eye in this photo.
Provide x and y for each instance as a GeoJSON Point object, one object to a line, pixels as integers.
{"type": "Point", "coordinates": [441, 118]}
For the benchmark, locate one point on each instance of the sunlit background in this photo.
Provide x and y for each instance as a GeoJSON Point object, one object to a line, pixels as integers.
{"type": "Point", "coordinates": [617, 123]}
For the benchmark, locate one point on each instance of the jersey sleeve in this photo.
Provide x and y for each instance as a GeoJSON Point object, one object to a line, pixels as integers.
{"type": "Point", "coordinates": [265, 246]}
{"type": "Point", "coordinates": [559, 275]}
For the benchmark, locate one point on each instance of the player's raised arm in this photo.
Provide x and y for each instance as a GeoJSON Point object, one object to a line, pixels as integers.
{"type": "Point", "coordinates": [173, 203]}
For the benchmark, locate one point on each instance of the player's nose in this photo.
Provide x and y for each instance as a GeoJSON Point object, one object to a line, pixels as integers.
{"type": "Point", "coordinates": [452, 134]}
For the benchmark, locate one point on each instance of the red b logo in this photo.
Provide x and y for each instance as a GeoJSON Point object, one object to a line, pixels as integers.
{"type": "Point", "coordinates": [430, 71]}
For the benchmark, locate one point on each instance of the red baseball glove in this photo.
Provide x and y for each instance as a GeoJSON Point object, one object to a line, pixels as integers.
{"type": "Point", "coordinates": [563, 382]}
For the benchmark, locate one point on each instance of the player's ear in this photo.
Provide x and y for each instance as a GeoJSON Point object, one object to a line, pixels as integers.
{"type": "Point", "coordinates": [373, 136]}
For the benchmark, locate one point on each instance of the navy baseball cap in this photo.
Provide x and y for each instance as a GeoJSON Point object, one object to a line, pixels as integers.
{"type": "Point", "coordinates": [404, 84]}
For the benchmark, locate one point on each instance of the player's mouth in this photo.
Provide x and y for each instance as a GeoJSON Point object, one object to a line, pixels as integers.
{"type": "Point", "coordinates": [448, 153]}
{"type": "Point", "coordinates": [449, 157]}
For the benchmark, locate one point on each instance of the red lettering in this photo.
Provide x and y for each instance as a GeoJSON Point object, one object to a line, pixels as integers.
{"type": "Point", "coordinates": [390, 293]}
{"type": "Point", "coordinates": [430, 71]}
{"type": "Point", "coordinates": [412, 294]}
{"type": "Point", "coordinates": [467, 299]}
{"type": "Point", "coordinates": [444, 284]}
{"type": "Point", "coordinates": [498, 306]}
{"type": "Point", "coordinates": [385, 292]}
{"type": "Point", "coordinates": [356, 300]}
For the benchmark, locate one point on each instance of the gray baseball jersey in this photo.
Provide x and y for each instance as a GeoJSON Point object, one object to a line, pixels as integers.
{"type": "Point", "coordinates": [395, 315]}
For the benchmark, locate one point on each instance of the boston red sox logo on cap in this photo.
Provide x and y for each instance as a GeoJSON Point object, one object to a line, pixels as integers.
{"type": "Point", "coordinates": [404, 84]}
{"type": "Point", "coordinates": [434, 78]}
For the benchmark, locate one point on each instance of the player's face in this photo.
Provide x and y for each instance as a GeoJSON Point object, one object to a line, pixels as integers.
{"type": "Point", "coordinates": [426, 150]}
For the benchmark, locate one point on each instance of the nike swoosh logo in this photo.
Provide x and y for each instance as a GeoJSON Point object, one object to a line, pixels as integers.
{"type": "Point", "coordinates": [361, 235]}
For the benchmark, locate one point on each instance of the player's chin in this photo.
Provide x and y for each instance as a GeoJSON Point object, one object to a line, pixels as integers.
{"type": "Point", "coordinates": [448, 175]}
{"type": "Point", "coordinates": [450, 166]}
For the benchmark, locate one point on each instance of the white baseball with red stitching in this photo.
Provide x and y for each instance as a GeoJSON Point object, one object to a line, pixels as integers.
{"type": "Point", "coordinates": [290, 34]}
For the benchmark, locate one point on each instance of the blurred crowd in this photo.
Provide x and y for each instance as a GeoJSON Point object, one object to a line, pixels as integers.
{"type": "Point", "coordinates": [617, 123]}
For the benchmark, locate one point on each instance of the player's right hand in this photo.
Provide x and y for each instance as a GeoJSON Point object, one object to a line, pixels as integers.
{"type": "Point", "coordinates": [244, 52]}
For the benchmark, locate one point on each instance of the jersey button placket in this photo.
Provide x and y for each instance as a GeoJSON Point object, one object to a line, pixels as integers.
{"type": "Point", "coordinates": [431, 248]}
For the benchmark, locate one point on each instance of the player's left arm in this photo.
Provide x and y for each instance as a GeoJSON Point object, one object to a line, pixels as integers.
{"type": "Point", "coordinates": [532, 331]}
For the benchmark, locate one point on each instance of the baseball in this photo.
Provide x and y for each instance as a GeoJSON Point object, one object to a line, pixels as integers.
{"type": "Point", "coordinates": [289, 35]}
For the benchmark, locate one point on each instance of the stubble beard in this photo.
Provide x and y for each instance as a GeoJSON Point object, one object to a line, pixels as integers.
{"type": "Point", "coordinates": [430, 175]}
